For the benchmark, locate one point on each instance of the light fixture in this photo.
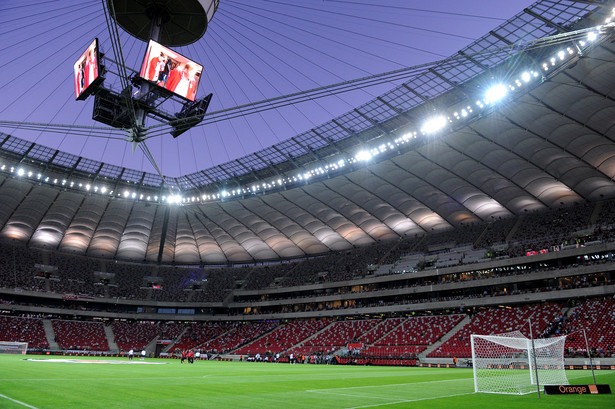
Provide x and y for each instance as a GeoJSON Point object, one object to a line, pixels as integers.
{"type": "Point", "coordinates": [434, 124]}
{"type": "Point", "coordinates": [496, 93]}
{"type": "Point", "coordinates": [363, 156]}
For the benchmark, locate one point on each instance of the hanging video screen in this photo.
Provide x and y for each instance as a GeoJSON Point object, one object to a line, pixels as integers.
{"type": "Point", "coordinates": [87, 71]}
{"type": "Point", "coordinates": [170, 70]}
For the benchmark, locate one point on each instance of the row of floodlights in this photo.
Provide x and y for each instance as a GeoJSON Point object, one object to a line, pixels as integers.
{"type": "Point", "coordinates": [493, 95]}
{"type": "Point", "coordinates": [103, 190]}
{"type": "Point", "coordinates": [171, 198]}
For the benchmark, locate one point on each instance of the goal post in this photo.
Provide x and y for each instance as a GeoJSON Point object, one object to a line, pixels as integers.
{"type": "Point", "coordinates": [9, 347]}
{"type": "Point", "coordinates": [504, 363]}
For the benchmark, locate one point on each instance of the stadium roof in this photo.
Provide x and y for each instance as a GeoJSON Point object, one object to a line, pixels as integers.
{"type": "Point", "coordinates": [442, 149]}
{"type": "Point", "coordinates": [269, 52]}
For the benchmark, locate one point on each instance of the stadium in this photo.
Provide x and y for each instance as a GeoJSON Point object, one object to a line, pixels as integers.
{"type": "Point", "coordinates": [430, 234]}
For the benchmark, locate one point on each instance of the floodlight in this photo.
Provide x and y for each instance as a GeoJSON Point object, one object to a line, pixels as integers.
{"type": "Point", "coordinates": [363, 156]}
{"type": "Point", "coordinates": [174, 199]}
{"type": "Point", "coordinates": [592, 35]}
{"type": "Point", "coordinates": [496, 93]}
{"type": "Point", "coordinates": [525, 76]}
{"type": "Point", "coordinates": [434, 124]}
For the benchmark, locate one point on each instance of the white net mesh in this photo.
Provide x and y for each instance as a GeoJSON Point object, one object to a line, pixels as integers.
{"type": "Point", "coordinates": [504, 363]}
{"type": "Point", "coordinates": [7, 347]}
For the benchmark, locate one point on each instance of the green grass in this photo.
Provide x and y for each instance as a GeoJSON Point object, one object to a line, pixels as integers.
{"type": "Point", "coordinates": [47, 385]}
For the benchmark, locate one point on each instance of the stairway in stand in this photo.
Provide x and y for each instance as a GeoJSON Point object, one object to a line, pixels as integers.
{"type": "Point", "coordinates": [111, 339]}
{"type": "Point", "coordinates": [446, 337]}
{"type": "Point", "coordinates": [51, 335]}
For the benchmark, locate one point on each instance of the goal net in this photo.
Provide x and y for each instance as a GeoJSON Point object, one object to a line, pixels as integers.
{"type": "Point", "coordinates": [7, 347]}
{"type": "Point", "coordinates": [504, 363]}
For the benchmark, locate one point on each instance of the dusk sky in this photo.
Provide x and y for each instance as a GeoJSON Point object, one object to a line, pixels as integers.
{"type": "Point", "coordinates": [253, 50]}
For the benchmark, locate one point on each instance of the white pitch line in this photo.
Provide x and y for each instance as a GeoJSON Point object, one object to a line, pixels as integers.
{"type": "Point", "coordinates": [355, 396]}
{"type": "Point", "coordinates": [409, 400]}
{"type": "Point", "coordinates": [101, 379]}
{"type": "Point", "coordinates": [18, 402]}
{"type": "Point", "coordinates": [391, 384]}
{"type": "Point", "coordinates": [602, 372]}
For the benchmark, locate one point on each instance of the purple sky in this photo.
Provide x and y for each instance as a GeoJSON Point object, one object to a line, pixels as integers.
{"type": "Point", "coordinates": [252, 50]}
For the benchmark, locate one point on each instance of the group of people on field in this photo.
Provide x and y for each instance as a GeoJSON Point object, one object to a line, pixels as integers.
{"type": "Point", "coordinates": [131, 354]}
{"type": "Point", "coordinates": [190, 355]}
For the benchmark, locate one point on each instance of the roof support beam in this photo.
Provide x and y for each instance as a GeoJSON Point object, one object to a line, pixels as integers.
{"type": "Point", "coordinates": [163, 233]}
{"type": "Point", "coordinates": [545, 20]}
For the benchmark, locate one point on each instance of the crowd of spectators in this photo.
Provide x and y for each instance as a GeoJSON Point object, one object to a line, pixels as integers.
{"type": "Point", "coordinates": [80, 335]}
{"type": "Point", "coordinates": [400, 337]}
{"type": "Point", "coordinates": [43, 271]}
{"type": "Point", "coordinates": [498, 321]}
{"type": "Point", "coordinates": [197, 334]}
{"type": "Point", "coordinates": [283, 337]}
{"type": "Point", "coordinates": [594, 318]}
{"type": "Point", "coordinates": [24, 329]}
{"type": "Point", "coordinates": [239, 334]}
{"type": "Point", "coordinates": [420, 330]}
{"type": "Point", "coordinates": [135, 335]}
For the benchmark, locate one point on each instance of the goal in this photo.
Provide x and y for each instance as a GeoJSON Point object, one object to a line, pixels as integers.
{"type": "Point", "coordinates": [504, 363]}
{"type": "Point", "coordinates": [8, 347]}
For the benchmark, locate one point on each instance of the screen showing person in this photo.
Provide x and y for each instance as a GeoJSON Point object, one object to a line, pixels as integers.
{"type": "Point", "coordinates": [87, 70]}
{"type": "Point", "coordinates": [171, 70]}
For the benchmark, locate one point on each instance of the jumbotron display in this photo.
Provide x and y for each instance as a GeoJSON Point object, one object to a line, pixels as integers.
{"type": "Point", "coordinates": [87, 71]}
{"type": "Point", "coordinates": [170, 70]}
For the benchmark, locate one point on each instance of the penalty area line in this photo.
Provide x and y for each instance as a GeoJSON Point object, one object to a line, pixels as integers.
{"type": "Point", "coordinates": [354, 396]}
{"type": "Point", "coordinates": [409, 400]}
{"type": "Point", "coordinates": [390, 384]}
{"type": "Point", "coordinates": [18, 402]}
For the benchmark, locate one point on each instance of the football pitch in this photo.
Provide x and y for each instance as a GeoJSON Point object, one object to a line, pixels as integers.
{"type": "Point", "coordinates": [44, 383]}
